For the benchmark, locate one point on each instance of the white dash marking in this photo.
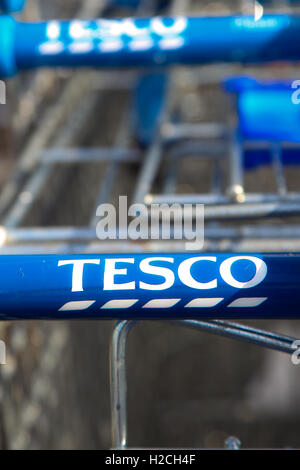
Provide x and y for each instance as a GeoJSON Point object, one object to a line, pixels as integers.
{"type": "Point", "coordinates": [111, 46]}
{"type": "Point", "coordinates": [77, 305]}
{"type": "Point", "coordinates": [161, 303]}
{"type": "Point", "coordinates": [52, 47]}
{"type": "Point", "coordinates": [171, 43]}
{"type": "Point", "coordinates": [120, 303]}
{"type": "Point", "coordinates": [202, 302]}
{"type": "Point", "coordinates": [247, 302]}
{"type": "Point", "coordinates": [141, 44]}
{"type": "Point", "coordinates": [81, 47]}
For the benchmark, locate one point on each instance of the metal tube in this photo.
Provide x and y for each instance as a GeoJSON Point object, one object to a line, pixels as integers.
{"type": "Point", "coordinates": [230, 244]}
{"type": "Point", "coordinates": [118, 384]}
{"type": "Point", "coordinates": [236, 184]}
{"type": "Point", "coordinates": [276, 154]}
{"type": "Point", "coordinates": [70, 156]}
{"type": "Point", "coordinates": [148, 171]}
{"type": "Point", "coordinates": [220, 199]}
{"type": "Point", "coordinates": [24, 235]}
{"type": "Point", "coordinates": [118, 381]}
{"type": "Point", "coordinates": [12, 5]}
{"type": "Point", "coordinates": [148, 42]}
{"type": "Point", "coordinates": [150, 286]}
{"type": "Point", "coordinates": [265, 339]}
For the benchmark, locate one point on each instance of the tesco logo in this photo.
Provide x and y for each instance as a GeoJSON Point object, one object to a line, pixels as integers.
{"type": "Point", "coordinates": [113, 35]}
{"type": "Point", "coordinates": [116, 276]}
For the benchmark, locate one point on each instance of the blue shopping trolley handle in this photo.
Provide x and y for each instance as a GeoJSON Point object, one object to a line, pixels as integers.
{"type": "Point", "coordinates": [159, 4]}
{"type": "Point", "coordinates": [266, 109]}
{"type": "Point", "coordinates": [12, 5]}
{"type": "Point", "coordinates": [150, 286]}
{"type": "Point", "coordinates": [147, 42]}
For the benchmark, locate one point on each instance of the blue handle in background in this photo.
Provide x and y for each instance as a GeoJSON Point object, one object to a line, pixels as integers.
{"type": "Point", "coordinates": [268, 111]}
{"type": "Point", "coordinates": [158, 4]}
{"type": "Point", "coordinates": [150, 286]}
{"type": "Point", "coordinates": [11, 6]}
{"type": "Point", "coordinates": [150, 97]}
{"type": "Point", "coordinates": [147, 42]}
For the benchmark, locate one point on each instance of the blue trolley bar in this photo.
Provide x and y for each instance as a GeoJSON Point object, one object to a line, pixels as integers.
{"type": "Point", "coordinates": [10, 6]}
{"type": "Point", "coordinates": [170, 286]}
{"type": "Point", "coordinates": [147, 42]}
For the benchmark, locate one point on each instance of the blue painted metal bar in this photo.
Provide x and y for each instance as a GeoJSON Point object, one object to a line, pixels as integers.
{"type": "Point", "coordinates": [147, 42]}
{"type": "Point", "coordinates": [158, 4]}
{"type": "Point", "coordinates": [267, 108]}
{"type": "Point", "coordinates": [148, 105]}
{"type": "Point", "coordinates": [10, 6]}
{"type": "Point", "coordinates": [268, 112]}
{"type": "Point", "coordinates": [171, 286]}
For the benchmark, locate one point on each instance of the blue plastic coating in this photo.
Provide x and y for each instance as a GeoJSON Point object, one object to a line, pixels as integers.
{"type": "Point", "coordinates": [150, 286]}
{"type": "Point", "coordinates": [10, 6]}
{"type": "Point", "coordinates": [148, 106]}
{"type": "Point", "coordinates": [158, 4]}
{"type": "Point", "coordinates": [125, 3]}
{"type": "Point", "coordinates": [268, 111]}
{"type": "Point", "coordinates": [154, 41]}
{"type": "Point", "coordinates": [7, 44]}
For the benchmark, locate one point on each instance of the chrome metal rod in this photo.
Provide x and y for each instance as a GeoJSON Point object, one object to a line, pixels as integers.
{"type": "Point", "coordinates": [118, 379]}
{"type": "Point", "coordinates": [118, 384]}
{"type": "Point", "coordinates": [71, 156]}
{"type": "Point", "coordinates": [244, 333]}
